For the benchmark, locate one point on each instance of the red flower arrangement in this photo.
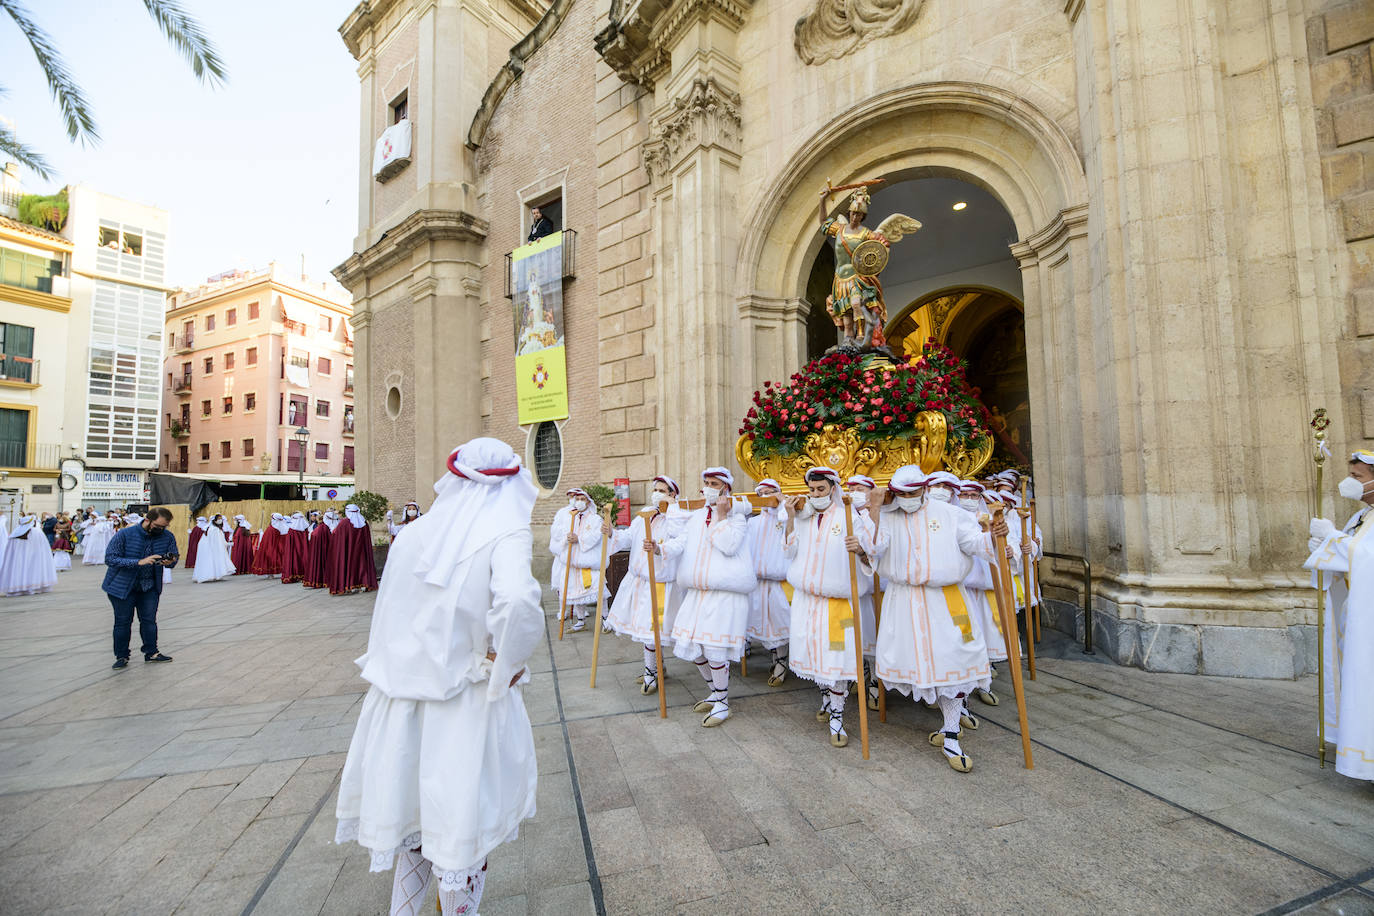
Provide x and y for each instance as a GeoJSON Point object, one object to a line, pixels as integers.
{"type": "Point", "coordinates": [877, 401]}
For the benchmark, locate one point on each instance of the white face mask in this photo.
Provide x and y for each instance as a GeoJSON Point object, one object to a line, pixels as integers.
{"type": "Point", "coordinates": [819, 503]}
{"type": "Point", "coordinates": [659, 499]}
{"type": "Point", "coordinates": [970, 503]}
{"type": "Point", "coordinates": [910, 503]}
{"type": "Point", "coordinates": [858, 499]}
{"type": "Point", "coordinates": [1352, 488]}
{"type": "Point", "coordinates": [941, 494]}
{"type": "Point", "coordinates": [711, 493]}
{"type": "Point", "coordinates": [572, 504]}
{"type": "Point", "coordinates": [412, 512]}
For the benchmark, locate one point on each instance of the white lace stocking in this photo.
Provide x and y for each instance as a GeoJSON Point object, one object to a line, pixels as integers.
{"type": "Point", "coordinates": [413, 872]}
{"type": "Point", "coordinates": [461, 891]}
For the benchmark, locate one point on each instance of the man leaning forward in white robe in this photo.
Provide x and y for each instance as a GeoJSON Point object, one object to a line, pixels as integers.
{"type": "Point", "coordinates": [1347, 558]}
{"type": "Point", "coordinates": [928, 647]}
{"type": "Point", "coordinates": [823, 615]}
{"type": "Point", "coordinates": [441, 770]}
{"type": "Point", "coordinates": [715, 576]}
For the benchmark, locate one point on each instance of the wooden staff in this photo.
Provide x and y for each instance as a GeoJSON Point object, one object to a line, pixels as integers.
{"type": "Point", "coordinates": [876, 514]}
{"type": "Point", "coordinates": [1319, 424]}
{"type": "Point", "coordinates": [858, 626]}
{"type": "Point", "coordinates": [600, 591]}
{"type": "Point", "coordinates": [567, 570]}
{"type": "Point", "coordinates": [1035, 570]}
{"type": "Point", "coordinates": [1030, 569]}
{"type": "Point", "coordinates": [1006, 607]}
{"type": "Point", "coordinates": [653, 617]}
{"type": "Point", "coordinates": [1025, 587]}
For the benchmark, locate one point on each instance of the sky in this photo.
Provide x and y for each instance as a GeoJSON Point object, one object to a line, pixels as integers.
{"type": "Point", "coordinates": [263, 168]}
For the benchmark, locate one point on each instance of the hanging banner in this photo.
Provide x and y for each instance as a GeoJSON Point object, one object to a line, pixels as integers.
{"type": "Point", "coordinates": [541, 375]}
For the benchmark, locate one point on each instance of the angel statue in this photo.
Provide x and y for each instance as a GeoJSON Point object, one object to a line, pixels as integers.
{"type": "Point", "coordinates": [855, 302]}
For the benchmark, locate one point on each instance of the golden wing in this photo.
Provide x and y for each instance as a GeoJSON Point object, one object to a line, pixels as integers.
{"type": "Point", "coordinates": [898, 225]}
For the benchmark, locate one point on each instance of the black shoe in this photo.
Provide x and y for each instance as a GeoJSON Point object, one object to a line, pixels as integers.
{"type": "Point", "coordinates": [120, 663]}
{"type": "Point", "coordinates": [157, 657]}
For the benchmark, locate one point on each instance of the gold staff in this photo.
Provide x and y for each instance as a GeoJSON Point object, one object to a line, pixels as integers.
{"type": "Point", "coordinates": [1319, 424]}
{"type": "Point", "coordinates": [600, 593]}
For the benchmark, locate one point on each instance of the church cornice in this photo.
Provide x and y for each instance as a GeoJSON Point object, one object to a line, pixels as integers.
{"type": "Point", "coordinates": [396, 243]}
{"type": "Point", "coordinates": [707, 115]}
{"type": "Point", "coordinates": [638, 42]}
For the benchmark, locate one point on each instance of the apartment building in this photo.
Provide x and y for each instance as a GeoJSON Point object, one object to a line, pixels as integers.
{"type": "Point", "coordinates": [258, 379]}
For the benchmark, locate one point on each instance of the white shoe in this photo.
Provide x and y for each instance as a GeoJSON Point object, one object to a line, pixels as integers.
{"type": "Point", "coordinates": [579, 624]}
{"type": "Point", "coordinates": [838, 736]}
{"type": "Point", "coordinates": [778, 673]}
{"type": "Point", "coordinates": [720, 711]}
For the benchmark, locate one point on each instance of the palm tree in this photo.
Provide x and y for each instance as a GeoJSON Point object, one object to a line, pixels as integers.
{"type": "Point", "coordinates": [183, 33]}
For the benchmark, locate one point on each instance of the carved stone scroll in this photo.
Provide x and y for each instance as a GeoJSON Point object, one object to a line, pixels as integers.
{"type": "Point", "coordinates": [834, 28]}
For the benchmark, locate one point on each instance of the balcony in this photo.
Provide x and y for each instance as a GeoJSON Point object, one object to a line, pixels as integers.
{"type": "Point", "coordinates": [348, 348]}
{"type": "Point", "coordinates": [182, 385]}
{"type": "Point", "coordinates": [184, 343]}
{"type": "Point", "coordinates": [18, 371]}
{"type": "Point", "coordinates": [30, 457]}
{"type": "Point", "coordinates": [180, 429]}
{"type": "Point", "coordinates": [348, 426]}
{"type": "Point", "coordinates": [348, 387]}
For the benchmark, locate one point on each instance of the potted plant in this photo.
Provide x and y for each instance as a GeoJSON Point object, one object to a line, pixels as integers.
{"type": "Point", "coordinates": [373, 507]}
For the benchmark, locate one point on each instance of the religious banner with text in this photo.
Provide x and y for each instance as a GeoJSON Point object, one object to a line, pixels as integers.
{"type": "Point", "coordinates": [541, 376]}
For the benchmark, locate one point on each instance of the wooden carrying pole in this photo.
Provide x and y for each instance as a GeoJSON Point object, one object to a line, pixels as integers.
{"type": "Point", "coordinates": [1035, 569]}
{"type": "Point", "coordinates": [1025, 587]}
{"type": "Point", "coordinates": [653, 617]}
{"type": "Point", "coordinates": [858, 628]}
{"type": "Point", "coordinates": [600, 591]}
{"type": "Point", "coordinates": [567, 570]}
{"type": "Point", "coordinates": [1320, 423]}
{"type": "Point", "coordinates": [1006, 607]}
{"type": "Point", "coordinates": [875, 512]}
{"type": "Point", "coordinates": [1031, 571]}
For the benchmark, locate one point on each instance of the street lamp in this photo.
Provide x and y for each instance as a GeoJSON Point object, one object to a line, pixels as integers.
{"type": "Point", "coordinates": [303, 437]}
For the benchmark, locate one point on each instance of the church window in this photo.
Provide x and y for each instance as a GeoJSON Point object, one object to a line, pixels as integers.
{"type": "Point", "coordinates": [548, 454]}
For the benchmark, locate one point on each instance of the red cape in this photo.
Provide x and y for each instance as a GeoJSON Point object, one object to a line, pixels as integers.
{"type": "Point", "coordinates": [241, 555]}
{"type": "Point", "coordinates": [293, 556]}
{"type": "Point", "coordinates": [193, 545]}
{"type": "Point", "coordinates": [267, 560]}
{"type": "Point", "coordinates": [350, 567]}
{"type": "Point", "coordinates": [317, 557]}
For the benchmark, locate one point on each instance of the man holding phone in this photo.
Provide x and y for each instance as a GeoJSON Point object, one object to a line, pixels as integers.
{"type": "Point", "coordinates": [136, 557]}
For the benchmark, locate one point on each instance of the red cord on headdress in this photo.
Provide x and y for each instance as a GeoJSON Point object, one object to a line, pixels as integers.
{"type": "Point", "coordinates": [490, 472]}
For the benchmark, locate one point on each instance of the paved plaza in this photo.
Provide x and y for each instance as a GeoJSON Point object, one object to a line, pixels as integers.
{"type": "Point", "coordinates": [207, 786]}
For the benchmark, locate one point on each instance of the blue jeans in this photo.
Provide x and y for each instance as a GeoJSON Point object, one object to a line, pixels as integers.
{"type": "Point", "coordinates": [144, 603]}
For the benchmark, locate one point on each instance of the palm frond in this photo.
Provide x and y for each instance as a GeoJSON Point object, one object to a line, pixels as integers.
{"type": "Point", "coordinates": [184, 33]}
{"type": "Point", "coordinates": [76, 111]}
{"type": "Point", "coordinates": [29, 158]}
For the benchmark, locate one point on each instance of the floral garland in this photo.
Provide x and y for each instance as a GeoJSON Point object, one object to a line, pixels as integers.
{"type": "Point", "coordinates": [877, 401]}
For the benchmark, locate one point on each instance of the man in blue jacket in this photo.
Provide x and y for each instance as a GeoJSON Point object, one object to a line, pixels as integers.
{"type": "Point", "coordinates": [135, 557]}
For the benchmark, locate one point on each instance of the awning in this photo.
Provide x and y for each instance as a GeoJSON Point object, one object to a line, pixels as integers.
{"type": "Point", "coordinates": [314, 480]}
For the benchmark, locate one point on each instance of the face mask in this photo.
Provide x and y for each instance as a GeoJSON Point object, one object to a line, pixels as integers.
{"type": "Point", "coordinates": [658, 499]}
{"type": "Point", "coordinates": [858, 499]}
{"type": "Point", "coordinates": [819, 503]}
{"type": "Point", "coordinates": [711, 493]}
{"type": "Point", "coordinates": [1352, 488]}
{"type": "Point", "coordinates": [970, 503]}
{"type": "Point", "coordinates": [941, 494]}
{"type": "Point", "coordinates": [572, 504]}
{"type": "Point", "coordinates": [910, 503]}
{"type": "Point", "coordinates": [411, 513]}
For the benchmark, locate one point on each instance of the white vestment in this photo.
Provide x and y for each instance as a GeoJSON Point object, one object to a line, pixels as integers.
{"type": "Point", "coordinates": [631, 612]}
{"type": "Point", "coordinates": [820, 641]}
{"type": "Point", "coordinates": [212, 557]}
{"type": "Point", "coordinates": [715, 576]}
{"type": "Point", "coordinates": [770, 605]}
{"type": "Point", "coordinates": [1347, 559]}
{"type": "Point", "coordinates": [928, 646]}
{"type": "Point", "coordinates": [586, 556]}
{"type": "Point", "coordinates": [443, 754]}
{"type": "Point", "coordinates": [97, 538]}
{"type": "Point", "coordinates": [27, 567]}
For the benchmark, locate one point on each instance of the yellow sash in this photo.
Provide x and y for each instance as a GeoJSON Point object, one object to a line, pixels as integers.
{"type": "Point", "coordinates": [841, 618]}
{"type": "Point", "coordinates": [661, 589]}
{"type": "Point", "coordinates": [958, 611]}
{"type": "Point", "coordinates": [788, 591]}
{"type": "Point", "coordinates": [996, 611]}
{"type": "Point", "coordinates": [586, 578]}
{"type": "Point", "coordinates": [1020, 591]}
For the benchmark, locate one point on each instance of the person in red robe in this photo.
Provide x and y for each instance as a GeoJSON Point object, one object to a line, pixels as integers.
{"type": "Point", "coordinates": [242, 551]}
{"type": "Point", "coordinates": [294, 549]}
{"type": "Point", "coordinates": [317, 557]}
{"type": "Point", "coordinates": [350, 566]}
{"type": "Point", "coordinates": [267, 559]}
{"type": "Point", "coordinates": [193, 544]}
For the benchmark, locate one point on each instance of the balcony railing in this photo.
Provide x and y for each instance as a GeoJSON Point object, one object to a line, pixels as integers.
{"type": "Point", "coordinates": [348, 387]}
{"type": "Point", "coordinates": [184, 343]}
{"type": "Point", "coordinates": [22, 455]}
{"type": "Point", "coordinates": [295, 327]}
{"type": "Point", "coordinates": [18, 369]}
{"type": "Point", "coordinates": [180, 429]}
{"type": "Point", "coordinates": [182, 385]}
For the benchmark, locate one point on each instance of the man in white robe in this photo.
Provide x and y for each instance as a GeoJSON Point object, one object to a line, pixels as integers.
{"type": "Point", "coordinates": [861, 488]}
{"type": "Point", "coordinates": [928, 648]}
{"type": "Point", "coordinates": [1346, 557]}
{"type": "Point", "coordinates": [584, 581]}
{"type": "Point", "coordinates": [715, 577]}
{"type": "Point", "coordinates": [770, 606]}
{"type": "Point", "coordinates": [982, 598]}
{"type": "Point", "coordinates": [631, 613]}
{"type": "Point", "coordinates": [823, 615]}
{"type": "Point", "coordinates": [441, 769]}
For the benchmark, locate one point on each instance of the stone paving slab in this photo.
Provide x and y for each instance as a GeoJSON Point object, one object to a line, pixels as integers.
{"type": "Point", "coordinates": [207, 785]}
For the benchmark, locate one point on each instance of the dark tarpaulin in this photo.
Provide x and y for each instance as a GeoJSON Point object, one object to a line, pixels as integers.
{"type": "Point", "coordinates": [169, 490]}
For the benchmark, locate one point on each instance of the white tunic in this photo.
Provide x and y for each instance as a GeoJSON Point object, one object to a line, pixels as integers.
{"type": "Point", "coordinates": [928, 646]}
{"type": "Point", "coordinates": [819, 575]}
{"type": "Point", "coordinates": [212, 557]}
{"type": "Point", "coordinates": [443, 754]}
{"type": "Point", "coordinates": [770, 605]}
{"type": "Point", "coordinates": [558, 547]}
{"type": "Point", "coordinates": [96, 539]}
{"type": "Point", "coordinates": [27, 567]}
{"type": "Point", "coordinates": [715, 576]}
{"type": "Point", "coordinates": [632, 612]}
{"type": "Point", "coordinates": [586, 556]}
{"type": "Point", "coordinates": [1347, 558]}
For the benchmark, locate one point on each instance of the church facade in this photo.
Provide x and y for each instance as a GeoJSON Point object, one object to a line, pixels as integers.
{"type": "Point", "coordinates": [1149, 228]}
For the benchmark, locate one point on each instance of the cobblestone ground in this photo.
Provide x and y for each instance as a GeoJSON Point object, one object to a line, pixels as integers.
{"type": "Point", "coordinates": [206, 786]}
